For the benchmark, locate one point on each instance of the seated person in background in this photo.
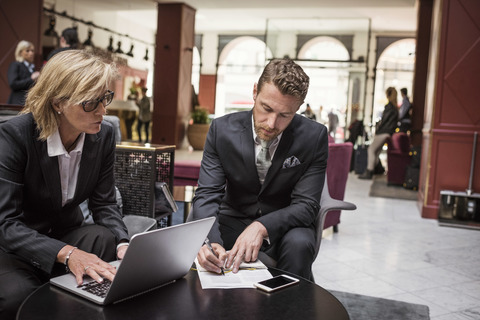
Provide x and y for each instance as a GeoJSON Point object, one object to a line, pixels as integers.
{"type": "Point", "coordinates": [21, 73]}
{"type": "Point", "coordinates": [404, 119]}
{"type": "Point", "coordinates": [59, 154]}
{"type": "Point", "coordinates": [262, 176]}
{"type": "Point", "coordinates": [385, 129]}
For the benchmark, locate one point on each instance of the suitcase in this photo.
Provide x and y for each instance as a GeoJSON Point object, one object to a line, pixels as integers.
{"type": "Point", "coordinates": [415, 155]}
{"type": "Point", "coordinates": [361, 159]}
{"type": "Point", "coordinates": [411, 178]}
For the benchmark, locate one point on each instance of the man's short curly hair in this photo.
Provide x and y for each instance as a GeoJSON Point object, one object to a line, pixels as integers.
{"type": "Point", "coordinates": [287, 76]}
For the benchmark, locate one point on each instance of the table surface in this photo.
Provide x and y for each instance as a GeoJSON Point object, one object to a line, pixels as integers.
{"type": "Point", "coordinates": [185, 299]}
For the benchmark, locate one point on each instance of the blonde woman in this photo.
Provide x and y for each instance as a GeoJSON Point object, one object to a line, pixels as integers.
{"type": "Point", "coordinates": [21, 73]}
{"type": "Point", "coordinates": [60, 154]}
{"type": "Point", "coordinates": [385, 129]}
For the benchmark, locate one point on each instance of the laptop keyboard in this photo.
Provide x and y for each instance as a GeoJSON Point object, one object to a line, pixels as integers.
{"type": "Point", "coordinates": [98, 289]}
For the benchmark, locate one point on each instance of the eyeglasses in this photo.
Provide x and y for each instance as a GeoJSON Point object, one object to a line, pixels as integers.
{"type": "Point", "coordinates": [91, 105]}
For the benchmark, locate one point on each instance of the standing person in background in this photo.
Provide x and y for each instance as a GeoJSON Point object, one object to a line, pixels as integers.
{"type": "Point", "coordinates": [322, 116]}
{"type": "Point", "coordinates": [404, 120]}
{"type": "Point", "coordinates": [21, 73]}
{"type": "Point", "coordinates": [332, 123]}
{"type": "Point", "coordinates": [385, 129]}
{"type": "Point", "coordinates": [144, 115]}
{"type": "Point", "coordinates": [68, 40]}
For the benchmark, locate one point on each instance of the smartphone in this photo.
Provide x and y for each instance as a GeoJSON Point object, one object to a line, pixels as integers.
{"type": "Point", "coordinates": [276, 283]}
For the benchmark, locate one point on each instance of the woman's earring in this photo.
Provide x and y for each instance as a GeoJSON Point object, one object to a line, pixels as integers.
{"type": "Point", "coordinates": [59, 112]}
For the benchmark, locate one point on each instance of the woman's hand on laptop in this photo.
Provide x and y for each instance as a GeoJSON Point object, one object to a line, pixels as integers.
{"type": "Point", "coordinates": [82, 263]}
{"type": "Point", "coordinates": [210, 261]}
{"type": "Point", "coordinates": [121, 252]}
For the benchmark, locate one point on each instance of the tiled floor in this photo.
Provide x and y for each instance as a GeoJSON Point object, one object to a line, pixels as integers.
{"type": "Point", "coordinates": [385, 249]}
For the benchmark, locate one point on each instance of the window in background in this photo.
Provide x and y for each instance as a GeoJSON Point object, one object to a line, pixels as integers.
{"type": "Point", "coordinates": [196, 64]}
{"type": "Point", "coordinates": [240, 65]}
{"type": "Point", "coordinates": [395, 68]}
{"type": "Point", "coordinates": [329, 78]}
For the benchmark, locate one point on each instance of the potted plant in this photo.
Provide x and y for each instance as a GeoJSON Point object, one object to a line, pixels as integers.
{"type": "Point", "coordinates": [198, 128]}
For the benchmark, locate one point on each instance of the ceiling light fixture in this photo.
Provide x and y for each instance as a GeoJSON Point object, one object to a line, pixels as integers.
{"type": "Point", "coordinates": [119, 47]}
{"type": "Point", "coordinates": [50, 32]}
{"type": "Point", "coordinates": [146, 55]}
{"type": "Point", "coordinates": [89, 42]}
{"type": "Point", "coordinates": [110, 44]}
{"type": "Point", "coordinates": [130, 53]}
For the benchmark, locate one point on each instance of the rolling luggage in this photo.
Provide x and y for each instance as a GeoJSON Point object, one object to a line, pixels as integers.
{"type": "Point", "coordinates": [412, 175]}
{"type": "Point", "coordinates": [361, 159]}
{"type": "Point", "coordinates": [412, 171]}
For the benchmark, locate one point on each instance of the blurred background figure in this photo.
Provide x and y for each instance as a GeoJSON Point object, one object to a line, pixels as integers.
{"type": "Point", "coordinates": [21, 73]}
{"type": "Point", "coordinates": [332, 123]}
{"type": "Point", "coordinates": [144, 115]}
{"type": "Point", "coordinates": [322, 116]}
{"type": "Point", "coordinates": [309, 113]}
{"type": "Point", "coordinates": [404, 118]}
{"type": "Point", "coordinates": [68, 40]}
{"type": "Point", "coordinates": [386, 127]}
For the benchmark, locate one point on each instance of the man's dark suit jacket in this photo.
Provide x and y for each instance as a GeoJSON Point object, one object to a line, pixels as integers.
{"type": "Point", "coordinates": [20, 80]}
{"type": "Point", "coordinates": [228, 183]}
{"type": "Point", "coordinates": [31, 213]}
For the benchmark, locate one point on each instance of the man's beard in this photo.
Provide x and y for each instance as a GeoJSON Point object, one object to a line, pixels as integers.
{"type": "Point", "coordinates": [261, 135]}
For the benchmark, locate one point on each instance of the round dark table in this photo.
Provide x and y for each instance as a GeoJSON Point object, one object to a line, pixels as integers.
{"type": "Point", "coordinates": [185, 299]}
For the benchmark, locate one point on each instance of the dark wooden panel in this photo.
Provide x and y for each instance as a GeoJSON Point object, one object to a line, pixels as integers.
{"type": "Point", "coordinates": [19, 20]}
{"type": "Point", "coordinates": [206, 94]}
{"type": "Point", "coordinates": [459, 75]}
{"type": "Point", "coordinates": [173, 69]}
{"type": "Point", "coordinates": [451, 166]}
{"type": "Point", "coordinates": [452, 116]}
{"type": "Point", "coordinates": [422, 51]}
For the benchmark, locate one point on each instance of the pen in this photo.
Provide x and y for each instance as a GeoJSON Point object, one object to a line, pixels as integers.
{"type": "Point", "coordinates": [207, 242]}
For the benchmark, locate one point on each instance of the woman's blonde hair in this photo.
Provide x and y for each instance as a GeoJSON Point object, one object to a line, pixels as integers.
{"type": "Point", "coordinates": [22, 45]}
{"type": "Point", "coordinates": [73, 75]}
{"type": "Point", "coordinates": [391, 93]}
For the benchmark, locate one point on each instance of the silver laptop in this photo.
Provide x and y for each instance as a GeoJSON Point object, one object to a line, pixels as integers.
{"type": "Point", "coordinates": [153, 259]}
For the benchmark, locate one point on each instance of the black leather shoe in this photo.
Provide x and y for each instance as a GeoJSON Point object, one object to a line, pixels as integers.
{"type": "Point", "coordinates": [367, 175]}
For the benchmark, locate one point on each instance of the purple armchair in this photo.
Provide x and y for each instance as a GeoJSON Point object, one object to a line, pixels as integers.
{"type": "Point", "coordinates": [398, 157]}
{"type": "Point", "coordinates": [338, 167]}
{"type": "Point", "coordinates": [186, 172]}
{"type": "Point", "coordinates": [331, 201]}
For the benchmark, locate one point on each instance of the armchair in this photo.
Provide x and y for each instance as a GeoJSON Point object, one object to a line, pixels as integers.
{"type": "Point", "coordinates": [338, 167]}
{"type": "Point", "coordinates": [327, 204]}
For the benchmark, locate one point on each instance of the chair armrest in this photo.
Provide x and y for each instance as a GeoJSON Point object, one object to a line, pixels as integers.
{"type": "Point", "coordinates": [329, 204]}
{"type": "Point", "coordinates": [136, 224]}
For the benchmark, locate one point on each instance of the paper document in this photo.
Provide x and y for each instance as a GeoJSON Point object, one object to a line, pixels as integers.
{"type": "Point", "coordinates": [249, 273]}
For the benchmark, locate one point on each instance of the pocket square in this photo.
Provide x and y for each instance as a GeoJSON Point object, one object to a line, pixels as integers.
{"type": "Point", "coordinates": [290, 162]}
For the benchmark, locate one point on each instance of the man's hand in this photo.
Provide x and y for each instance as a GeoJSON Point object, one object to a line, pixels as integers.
{"type": "Point", "coordinates": [247, 245]}
{"type": "Point", "coordinates": [211, 262]}
{"type": "Point", "coordinates": [83, 263]}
